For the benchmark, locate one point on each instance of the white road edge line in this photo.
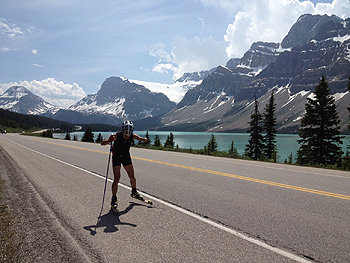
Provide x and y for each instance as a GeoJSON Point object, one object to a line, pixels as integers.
{"type": "Point", "coordinates": [207, 221]}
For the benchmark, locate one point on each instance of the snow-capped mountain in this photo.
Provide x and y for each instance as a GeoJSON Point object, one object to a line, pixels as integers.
{"type": "Point", "coordinates": [223, 101]}
{"type": "Point", "coordinates": [117, 99]}
{"type": "Point", "coordinates": [21, 100]}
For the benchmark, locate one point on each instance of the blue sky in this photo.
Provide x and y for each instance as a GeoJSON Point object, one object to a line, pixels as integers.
{"type": "Point", "coordinates": [65, 49]}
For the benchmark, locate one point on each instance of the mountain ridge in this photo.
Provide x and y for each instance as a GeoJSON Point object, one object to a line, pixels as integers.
{"type": "Point", "coordinates": [220, 99]}
{"type": "Point", "coordinates": [294, 72]}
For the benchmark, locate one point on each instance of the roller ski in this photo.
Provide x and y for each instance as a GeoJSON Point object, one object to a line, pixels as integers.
{"type": "Point", "coordinates": [114, 205]}
{"type": "Point", "coordinates": [136, 195]}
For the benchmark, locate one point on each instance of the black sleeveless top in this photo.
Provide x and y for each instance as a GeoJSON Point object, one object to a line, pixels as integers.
{"type": "Point", "coordinates": [122, 146]}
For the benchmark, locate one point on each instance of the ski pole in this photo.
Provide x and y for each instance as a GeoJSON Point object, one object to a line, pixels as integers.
{"type": "Point", "coordinates": [104, 191]}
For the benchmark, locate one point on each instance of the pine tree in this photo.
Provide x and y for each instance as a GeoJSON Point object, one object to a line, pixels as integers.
{"type": "Point", "coordinates": [233, 150]}
{"type": "Point", "coordinates": [47, 133]}
{"type": "Point", "coordinates": [269, 126]}
{"type": "Point", "coordinates": [149, 141]}
{"type": "Point", "coordinates": [346, 161]}
{"type": "Point", "coordinates": [169, 141]}
{"type": "Point", "coordinates": [99, 138]}
{"type": "Point", "coordinates": [88, 135]}
{"type": "Point", "coordinates": [349, 107]}
{"type": "Point", "coordinates": [319, 131]}
{"type": "Point", "coordinates": [157, 142]}
{"type": "Point", "coordinates": [212, 145]}
{"type": "Point", "coordinates": [255, 146]}
{"type": "Point", "coordinates": [67, 136]}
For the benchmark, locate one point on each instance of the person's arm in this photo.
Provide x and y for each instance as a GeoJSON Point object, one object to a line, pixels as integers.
{"type": "Point", "coordinates": [111, 138]}
{"type": "Point", "coordinates": [139, 138]}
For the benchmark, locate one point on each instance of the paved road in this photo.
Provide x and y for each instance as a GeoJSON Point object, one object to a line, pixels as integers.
{"type": "Point", "coordinates": [206, 209]}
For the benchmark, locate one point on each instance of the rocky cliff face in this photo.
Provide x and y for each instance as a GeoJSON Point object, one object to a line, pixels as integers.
{"type": "Point", "coordinates": [305, 29]}
{"type": "Point", "coordinates": [120, 99]}
{"type": "Point", "coordinates": [315, 46]}
{"type": "Point", "coordinates": [326, 54]}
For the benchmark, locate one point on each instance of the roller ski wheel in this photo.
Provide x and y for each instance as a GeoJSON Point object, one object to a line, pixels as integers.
{"type": "Point", "coordinates": [141, 198]}
{"type": "Point", "coordinates": [114, 205]}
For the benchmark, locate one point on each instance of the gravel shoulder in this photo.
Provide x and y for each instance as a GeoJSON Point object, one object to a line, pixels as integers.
{"type": "Point", "coordinates": [40, 233]}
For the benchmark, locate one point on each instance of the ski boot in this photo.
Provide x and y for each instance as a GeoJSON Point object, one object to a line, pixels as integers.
{"type": "Point", "coordinates": [136, 194]}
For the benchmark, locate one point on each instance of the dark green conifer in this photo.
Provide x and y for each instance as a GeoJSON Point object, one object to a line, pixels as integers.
{"type": "Point", "coordinates": [212, 145]}
{"type": "Point", "coordinates": [99, 138]}
{"type": "Point", "coordinates": [67, 136]}
{"type": "Point", "coordinates": [255, 146]}
{"type": "Point", "coordinates": [269, 126]}
{"type": "Point", "coordinates": [149, 141]}
{"type": "Point", "coordinates": [169, 143]}
{"type": "Point", "coordinates": [319, 131]}
{"type": "Point", "coordinates": [88, 135]}
{"type": "Point", "coordinates": [157, 142]}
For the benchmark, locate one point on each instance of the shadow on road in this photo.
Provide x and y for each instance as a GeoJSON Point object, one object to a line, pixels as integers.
{"type": "Point", "coordinates": [110, 221]}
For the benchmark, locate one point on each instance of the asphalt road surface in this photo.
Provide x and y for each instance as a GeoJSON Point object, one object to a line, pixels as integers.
{"type": "Point", "coordinates": [205, 209]}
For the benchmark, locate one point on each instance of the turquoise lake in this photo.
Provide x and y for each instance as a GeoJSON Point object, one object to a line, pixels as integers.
{"type": "Point", "coordinates": [286, 143]}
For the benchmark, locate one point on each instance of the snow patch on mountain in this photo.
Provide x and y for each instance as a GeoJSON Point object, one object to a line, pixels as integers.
{"type": "Point", "coordinates": [339, 95]}
{"type": "Point", "coordinates": [8, 105]}
{"type": "Point", "coordinates": [20, 99]}
{"type": "Point", "coordinates": [15, 93]}
{"type": "Point", "coordinates": [341, 39]}
{"type": "Point", "coordinates": [297, 95]}
{"type": "Point", "coordinates": [175, 92]}
{"type": "Point", "coordinates": [115, 107]}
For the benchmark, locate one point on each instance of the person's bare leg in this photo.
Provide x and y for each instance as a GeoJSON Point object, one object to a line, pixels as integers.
{"type": "Point", "coordinates": [116, 172]}
{"type": "Point", "coordinates": [130, 170]}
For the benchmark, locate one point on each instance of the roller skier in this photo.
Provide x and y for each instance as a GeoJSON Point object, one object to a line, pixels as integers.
{"type": "Point", "coordinates": [121, 156]}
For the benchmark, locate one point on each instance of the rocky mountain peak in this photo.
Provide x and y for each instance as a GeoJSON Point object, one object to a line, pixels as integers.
{"type": "Point", "coordinates": [20, 99]}
{"type": "Point", "coordinates": [16, 92]}
{"type": "Point", "coordinates": [305, 29]}
{"type": "Point", "coordinates": [195, 76]}
{"type": "Point", "coordinates": [119, 98]}
{"type": "Point", "coordinates": [232, 63]}
{"type": "Point", "coordinates": [315, 46]}
{"type": "Point", "coordinates": [260, 55]}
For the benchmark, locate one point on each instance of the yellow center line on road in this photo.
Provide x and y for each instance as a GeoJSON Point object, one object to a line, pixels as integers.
{"type": "Point", "coordinates": [286, 186]}
{"type": "Point", "coordinates": [297, 188]}
{"type": "Point", "coordinates": [79, 148]}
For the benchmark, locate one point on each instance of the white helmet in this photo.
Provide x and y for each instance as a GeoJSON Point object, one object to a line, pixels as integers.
{"type": "Point", "coordinates": [127, 127]}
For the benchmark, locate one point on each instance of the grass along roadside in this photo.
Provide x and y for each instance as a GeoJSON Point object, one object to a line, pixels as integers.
{"type": "Point", "coordinates": [9, 239]}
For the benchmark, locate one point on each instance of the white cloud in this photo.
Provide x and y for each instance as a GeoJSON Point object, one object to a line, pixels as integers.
{"type": "Point", "coordinates": [202, 21]}
{"type": "Point", "coordinates": [55, 92]}
{"type": "Point", "coordinates": [164, 68]}
{"type": "Point", "coordinates": [254, 20]}
{"type": "Point", "coordinates": [189, 55]}
{"type": "Point", "coordinates": [269, 20]}
{"type": "Point", "coordinates": [35, 52]}
{"type": "Point", "coordinates": [38, 65]}
{"type": "Point", "coordinates": [340, 8]}
{"type": "Point", "coordinates": [158, 51]}
{"type": "Point", "coordinates": [9, 29]}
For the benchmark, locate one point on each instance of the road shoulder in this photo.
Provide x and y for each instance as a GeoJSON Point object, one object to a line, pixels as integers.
{"type": "Point", "coordinates": [42, 237]}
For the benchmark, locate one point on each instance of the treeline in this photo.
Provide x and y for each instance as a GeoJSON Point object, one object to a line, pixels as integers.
{"type": "Point", "coordinates": [319, 132]}
{"type": "Point", "coordinates": [15, 121]}
{"type": "Point", "coordinates": [100, 127]}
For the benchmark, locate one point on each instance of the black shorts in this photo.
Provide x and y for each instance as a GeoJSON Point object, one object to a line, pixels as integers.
{"type": "Point", "coordinates": [121, 158]}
